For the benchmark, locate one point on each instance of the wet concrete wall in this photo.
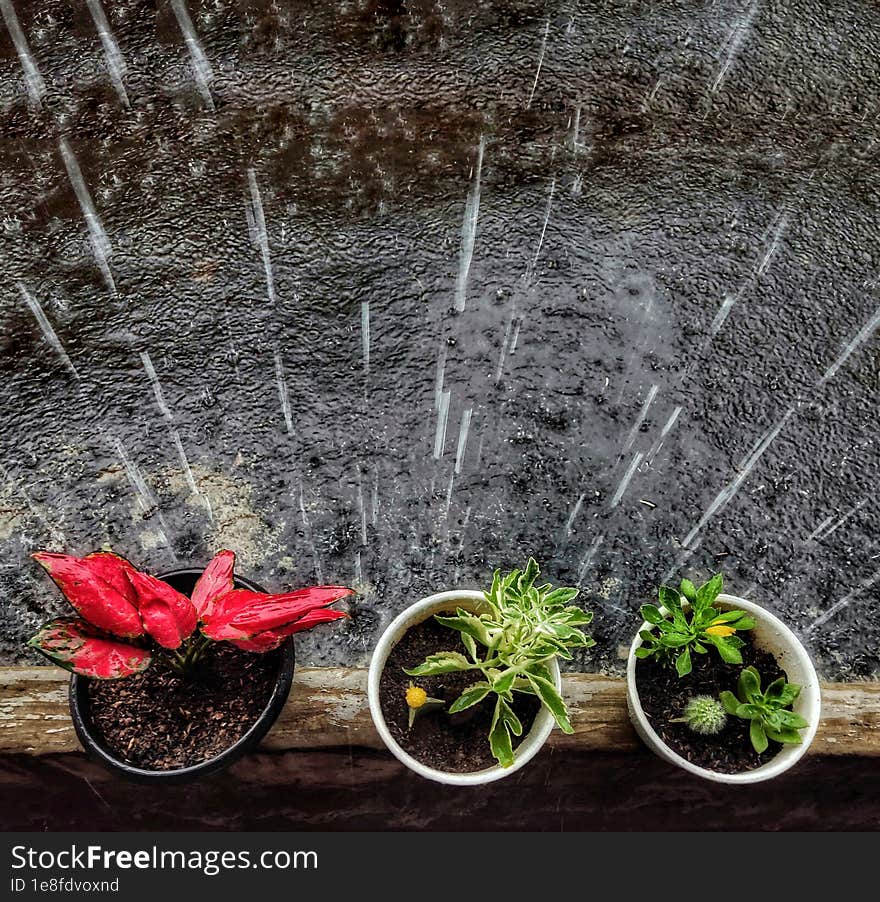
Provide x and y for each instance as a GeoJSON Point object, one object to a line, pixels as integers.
{"type": "Point", "coordinates": [391, 294]}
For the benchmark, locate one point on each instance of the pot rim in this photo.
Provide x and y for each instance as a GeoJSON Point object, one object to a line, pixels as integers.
{"type": "Point", "coordinates": [79, 710]}
{"type": "Point", "coordinates": [409, 617]}
{"type": "Point", "coordinates": [789, 755]}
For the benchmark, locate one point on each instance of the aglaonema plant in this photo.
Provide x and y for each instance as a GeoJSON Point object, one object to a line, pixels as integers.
{"type": "Point", "coordinates": [679, 632]}
{"type": "Point", "coordinates": [508, 646]}
{"type": "Point", "coordinates": [769, 711]}
{"type": "Point", "coordinates": [126, 619]}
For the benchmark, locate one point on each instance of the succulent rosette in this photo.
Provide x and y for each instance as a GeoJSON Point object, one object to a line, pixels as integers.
{"type": "Point", "coordinates": [127, 619]}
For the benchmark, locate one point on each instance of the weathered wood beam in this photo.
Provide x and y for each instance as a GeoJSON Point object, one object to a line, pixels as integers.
{"type": "Point", "coordinates": [328, 709]}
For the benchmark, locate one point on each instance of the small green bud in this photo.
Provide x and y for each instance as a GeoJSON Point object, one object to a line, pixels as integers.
{"type": "Point", "coordinates": [704, 715]}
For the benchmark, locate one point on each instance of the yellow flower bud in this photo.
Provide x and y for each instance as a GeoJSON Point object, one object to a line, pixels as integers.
{"type": "Point", "coordinates": [416, 696]}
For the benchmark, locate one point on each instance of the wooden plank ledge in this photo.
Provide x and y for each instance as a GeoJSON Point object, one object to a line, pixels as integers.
{"type": "Point", "coordinates": [328, 709]}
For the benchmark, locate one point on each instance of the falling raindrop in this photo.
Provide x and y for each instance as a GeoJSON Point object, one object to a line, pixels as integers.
{"type": "Point", "coordinates": [283, 395]}
{"type": "Point", "coordinates": [201, 68]}
{"type": "Point", "coordinates": [469, 232]}
{"type": "Point", "coordinates": [34, 83]}
{"type": "Point", "coordinates": [463, 430]}
{"type": "Point", "coordinates": [442, 419]}
{"type": "Point", "coordinates": [625, 480]}
{"type": "Point", "coordinates": [46, 328]}
{"type": "Point", "coordinates": [100, 242]}
{"type": "Point", "coordinates": [262, 236]}
{"type": "Point", "coordinates": [640, 419]}
{"type": "Point", "coordinates": [365, 334]}
{"type": "Point", "coordinates": [115, 60]}
{"type": "Point", "coordinates": [540, 63]}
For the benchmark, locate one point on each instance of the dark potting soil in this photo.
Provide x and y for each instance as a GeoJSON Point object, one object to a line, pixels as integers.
{"type": "Point", "coordinates": [159, 721]}
{"type": "Point", "coordinates": [458, 743]}
{"type": "Point", "coordinates": [663, 696]}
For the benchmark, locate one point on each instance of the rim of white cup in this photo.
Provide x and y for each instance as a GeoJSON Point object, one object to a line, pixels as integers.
{"type": "Point", "coordinates": [808, 704]}
{"type": "Point", "coordinates": [414, 614]}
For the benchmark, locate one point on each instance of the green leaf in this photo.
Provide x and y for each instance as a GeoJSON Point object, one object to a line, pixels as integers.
{"type": "Point", "coordinates": [683, 663]}
{"type": "Point", "coordinates": [540, 670]}
{"type": "Point", "coordinates": [749, 684]}
{"type": "Point", "coordinates": [699, 649]}
{"type": "Point", "coordinates": [470, 644]}
{"type": "Point", "coordinates": [688, 590]}
{"type": "Point", "coordinates": [758, 736]}
{"type": "Point", "coordinates": [499, 739]}
{"type": "Point", "coordinates": [729, 616]}
{"type": "Point", "coordinates": [564, 632]}
{"type": "Point", "coordinates": [680, 621]}
{"type": "Point", "coordinates": [471, 696]}
{"type": "Point", "coordinates": [771, 720]}
{"type": "Point", "coordinates": [561, 596]}
{"type": "Point", "coordinates": [443, 662]}
{"type": "Point", "coordinates": [704, 618]}
{"type": "Point", "coordinates": [511, 719]}
{"type": "Point", "coordinates": [774, 690]}
{"type": "Point", "coordinates": [669, 598]}
{"type": "Point", "coordinates": [651, 613]}
{"type": "Point", "coordinates": [578, 617]}
{"type": "Point", "coordinates": [522, 684]}
{"type": "Point", "coordinates": [729, 653]}
{"type": "Point", "coordinates": [552, 701]}
{"type": "Point", "coordinates": [504, 682]}
{"type": "Point", "coordinates": [730, 702]}
{"type": "Point", "coordinates": [788, 694]}
{"type": "Point", "coordinates": [581, 641]}
{"type": "Point", "coordinates": [494, 595]}
{"type": "Point", "coordinates": [642, 652]}
{"type": "Point", "coordinates": [674, 640]}
{"type": "Point", "coordinates": [465, 622]}
{"type": "Point", "coordinates": [531, 573]}
{"type": "Point", "coordinates": [786, 735]}
{"type": "Point", "coordinates": [708, 592]}
{"type": "Point", "coordinates": [792, 721]}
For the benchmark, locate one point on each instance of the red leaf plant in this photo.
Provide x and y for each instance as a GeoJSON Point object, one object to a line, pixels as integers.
{"type": "Point", "coordinates": [128, 619]}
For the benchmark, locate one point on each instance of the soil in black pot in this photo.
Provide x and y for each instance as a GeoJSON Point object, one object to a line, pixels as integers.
{"type": "Point", "coordinates": [160, 721]}
{"type": "Point", "coordinates": [457, 743]}
{"type": "Point", "coordinates": [663, 696]}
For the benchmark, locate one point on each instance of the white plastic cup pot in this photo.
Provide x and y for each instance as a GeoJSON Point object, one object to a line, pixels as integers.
{"type": "Point", "coordinates": [412, 616]}
{"type": "Point", "coordinates": [771, 635]}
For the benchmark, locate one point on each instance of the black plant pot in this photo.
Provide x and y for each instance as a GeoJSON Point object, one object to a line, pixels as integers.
{"type": "Point", "coordinates": [184, 581]}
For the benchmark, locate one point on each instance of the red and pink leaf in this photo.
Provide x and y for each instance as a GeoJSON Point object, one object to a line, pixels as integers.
{"type": "Point", "coordinates": [242, 615]}
{"type": "Point", "coordinates": [168, 616]}
{"type": "Point", "coordinates": [280, 610]}
{"type": "Point", "coordinates": [98, 589]}
{"type": "Point", "coordinates": [75, 645]}
{"type": "Point", "coordinates": [272, 639]}
{"type": "Point", "coordinates": [314, 618]}
{"type": "Point", "coordinates": [216, 619]}
{"type": "Point", "coordinates": [262, 642]}
{"type": "Point", "coordinates": [114, 570]}
{"type": "Point", "coordinates": [215, 581]}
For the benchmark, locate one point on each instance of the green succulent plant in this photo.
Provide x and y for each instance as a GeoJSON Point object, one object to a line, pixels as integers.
{"type": "Point", "coordinates": [769, 711]}
{"type": "Point", "coordinates": [508, 646]}
{"type": "Point", "coordinates": [682, 630]}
